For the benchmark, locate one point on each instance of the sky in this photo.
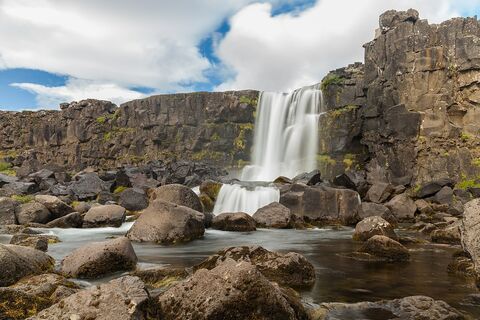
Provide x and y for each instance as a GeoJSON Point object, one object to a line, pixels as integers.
{"type": "Point", "coordinates": [54, 51]}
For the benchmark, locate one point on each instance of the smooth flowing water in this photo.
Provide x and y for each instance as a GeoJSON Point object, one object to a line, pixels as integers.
{"type": "Point", "coordinates": [339, 279]}
{"type": "Point", "coordinates": [284, 144]}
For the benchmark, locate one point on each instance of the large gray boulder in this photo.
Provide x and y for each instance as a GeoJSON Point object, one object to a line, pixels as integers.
{"type": "Point", "coordinates": [133, 199]}
{"type": "Point", "coordinates": [274, 215]}
{"type": "Point", "coordinates": [122, 298]}
{"type": "Point", "coordinates": [71, 220]}
{"type": "Point", "coordinates": [57, 207]}
{"type": "Point", "coordinates": [17, 262]}
{"type": "Point", "coordinates": [8, 207]}
{"type": "Point", "coordinates": [370, 209]}
{"type": "Point", "coordinates": [178, 194]}
{"type": "Point", "coordinates": [402, 207]}
{"type": "Point", "coordinates": [470, 232]}
{"type": "Point", "coordinates": [33, 212]}
{"type": "Point", "coordinates": [234, 221]}
{"type": "Point", "coordinates": [167, 223]}
{"type": "Point", "coordinates": [371, 226]}
{"type": "Point", "coordinates": [100, 258]}
{"type": "Point", "coordinates": [290, 269]}
{"type": "Point", "coordinates": [379, 192]}
{"type": "Point", "coordinates": [88, 186]}
{"type": "Point", "coordinates": [432, 187]}
{"type": "Point", "coordinates": [232, 290]}
{"type": "Point", "coordinates": [104, 216]}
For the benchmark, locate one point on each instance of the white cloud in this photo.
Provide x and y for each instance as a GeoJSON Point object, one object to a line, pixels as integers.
{"type": "Point", "coordinates": [284, 52]}
{"type": "Point", "coordinates": [76, 89]}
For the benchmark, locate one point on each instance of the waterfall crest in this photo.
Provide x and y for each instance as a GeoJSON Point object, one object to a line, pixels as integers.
{"type": "Point", "coordinates": [285, 144]}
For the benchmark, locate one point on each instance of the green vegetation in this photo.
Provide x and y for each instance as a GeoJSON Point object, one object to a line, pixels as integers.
{"type": "Point", "coordinates": [107, 136]}
{"type": "Point", "coordinates": [247, 100]}
{"type": "Point", "coordinates": [103, 119]}
{"type": "Point", "coordinates": [215, 137]}
{"type": "Point", "coordinates": [465, 183]}
{"type": "Point", "coordinates": [348, 160]}
{"type": "Point", "coordinates": [338, 112]}
{"type": "Point", "coordinates": [207, 154]}
{"type": "Point", "coordinates": [465, 137]}
{"type": "Point", "coordinates": [476, 162]}
{"type": "Point", "coordinates": [23, 199]}
{"type": "Point", "coordinates": [326, 159]}
{"type": "Point", "coordinates": [240, 141]}
{"type": "Point", "coordinates": [6, 168]}
{"type": "Point", "coordinates": [331, 79]}
{"type": "Point", "coordinates": [119, 189]}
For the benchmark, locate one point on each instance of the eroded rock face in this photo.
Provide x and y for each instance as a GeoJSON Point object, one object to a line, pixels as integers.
{"type": "Point", "coordinates": [291, 269]}
{"type": "Point", "coordinates": [372, 226]}
{"type": "Point", "coordinates": [100, 258]}
{"type": "Point", "coordinates": [234, 221]}
{"type": "Point", "coordinates": [167, 223]}
{"type": "Point", "coordinates": [274, 215]}
{"type": "Point", "coordinates": [470, 232]}
{"type": "Point", "coordinates": [226, 292]}
{"type": "Point", "coordinates": [104, 216]}
{"type": "Point", "coordinates": [122, 298]}
{"type": "Point", "coordinates": [178, 194]}
{"type": "Point", "coordinates": [17, 262]}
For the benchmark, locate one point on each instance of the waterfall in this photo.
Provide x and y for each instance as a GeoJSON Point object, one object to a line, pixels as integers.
{"type": "Point", "coordinates": [285, 144]}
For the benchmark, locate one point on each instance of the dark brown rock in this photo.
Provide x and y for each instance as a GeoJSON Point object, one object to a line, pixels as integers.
{"type": "Point", "coordinates": [133, 199]}
{"type": "Point", "coordinates": [448, 235]}
{"type": "Point", "coordinates": [370, 209]}
{"type": "Point", "coordinates": [161, 277]}
{"type": "Point", "coordinates": [379, 192]}
{"type": "Point", "coordinates": [32, 241]}
{"type": "Point", "coordinates": [385, 248]}
{"type": "Point", "coordinates": [71, 220]}
{"type": "Point", "coordinates": [234, 221]}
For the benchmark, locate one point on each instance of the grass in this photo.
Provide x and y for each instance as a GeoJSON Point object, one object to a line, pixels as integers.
{"type": "Point", "coordinates": [23, 199]}
{"type": "Point", "coordinates": [338, 112]}
{"type": "Point", "coordinates": [119, 189]}
{"type": "Point", "coordinates": [465, 137]}
{"type": "Point", "coordinates": [247, 100]}
{"type": "Point", "coordinates": [6, 168]}
{"type": "Point", "coordinates": [331, 79]}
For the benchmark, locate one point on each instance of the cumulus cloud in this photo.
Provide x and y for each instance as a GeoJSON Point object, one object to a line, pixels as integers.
{"type": "Point", "coordinates": [283, 52]}
{"type": "Point", "coordinates": [76, 89]}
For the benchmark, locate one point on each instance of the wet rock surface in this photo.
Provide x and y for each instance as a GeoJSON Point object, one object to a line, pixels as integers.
{"type": "Point", "coordinates": [234, 221]}
{"type": "Point", "coordinates": [372, 226]}
{"type": "Point", "coordinates": [274, 215]}
{"type": "Point", "coordinates": [104, 216]}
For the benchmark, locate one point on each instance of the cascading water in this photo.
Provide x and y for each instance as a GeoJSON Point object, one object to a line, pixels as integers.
{"type": "Point", "coordinates": [285, 144]}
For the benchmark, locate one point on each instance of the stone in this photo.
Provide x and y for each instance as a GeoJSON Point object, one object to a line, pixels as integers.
{"type": "Point", "coordinates": [33, 212]}
{"type": "Point", "coordinates": [32, 241]}
{"type": "Point", "coordinates": [383, 247]}
{"type": "Point", "coordinates": [226, 292]}
{"type": "Point", "coordinates": [391, 18]}
{"type": "Point", "coordinates": [177, 194]}
{"type": "Point", "coordinates": [99, 259]}
{"type": "Point", "coordinates": [122, 298]}
{"type": "Point", "coordinates": [104, 216]}
{"type": "Point", "coordinates": [309, 178]}
{"type": "Point", "coordinates": [274, 215]}
{"type": "Point", "coordinates": [371, 226]}
{"type": "Point", "coordinates": [81, 207]}
{"type": "Point", "coordinates": [402, 207]}
{"type": "Point", "coordinates": [167, 223]}
{"type": "Point", "coordinates": [57, 207]}
{"type": "Point", "coordinates": [379, 192]}
{"type": "Point", "coordinates": [370, 209]}
{"type": "Point", "coordinates": [289, 269]}
{"type": "Point", "coordinates": [470, 232]}
{"type": "Point", "coordinates": [234, 221]}
{"type": "Point", "coordinates": [88, 186]}
{"type": "Point", "coordinates": [8, 207]}
{"type": "Point", "coordinates": [423, 207]}
{"type": "Point", "coordinates": [444, 196]}
{"type": "Point", "coordinates": [21, 187]}
{"type": "Point", "coordinates": [71, 220]}
{"type": "Point", "coordinates": [431, 188]}
{"type": "Point", "coordinates": [133, 199]}
{"type": "Point", "coordinates": [17, 262]}
{"type": "Point", "coordinates": [413, 307]}
{"type": "Point", "coordinates": [6, 179]}
{"type": "Point", "coordinates": [161, 277]}
{"type": "Point", "coordinates": [449, 235]}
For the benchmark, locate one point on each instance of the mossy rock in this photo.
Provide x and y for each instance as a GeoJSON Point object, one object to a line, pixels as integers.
{"type": "Point", "coordinates": [16, 304]}
{"type": "Point", "coordinates": [211, 189]}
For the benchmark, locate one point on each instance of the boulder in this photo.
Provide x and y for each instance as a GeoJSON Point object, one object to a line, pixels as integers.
{"type": "Point", "coordinates": [379, 192]}
{"type": "Point", "coordinates": [423, 207]}
{"type": "Point", "coordinates": [122, 298]}
{"type": "Point", "coordinates": [274, 215]}
{"type": "Point", "coordinates": [309, 178]}
{"type": "Point", "coordinates": [371, 226]}
{"type": "Point", "coordinates": [32, 241]}
{"type": "Point", "coordinates": [226, 292]}
{"type": "Point", "coordinates": [33, 212]}
{"type": "Point", "coordinates": [414, 307]}
{"type": "Point", "coordinates": [104, 216]}
{"type": "Point", "coordinates": [290, 269]}
{"type": "Point", "coordinates": [354, 180]}
{"type": "Point", "coordinates": [57, 207]}
{"type": "Point", "coordinates": [81, 207]}
{"type": "Point", "coordinates": [178, 194]}
{"type": "Point", "coordinates": [370, 209]}
{"type": "Point", "coordinates": [444, 196]}
{"type": "Point", "coordinates": [432, 187]}
{"type": "Point", "coordinates": [208, 194]}
{"type": "Point", "coordinates": [88, 186]}
{"type": "Point", "coordinates": [448, 235]}
{"type": "Point", "coordinates": [167, 223]}
{"type": "Point", "coordinates": [402, 207]}
{"type": "Point", "coordinates": [470, 232]}
{"type": "Point", "coordinates": [161, 277]}
{"type": "Point", "coordinates": [391, 18]}
{"type": "Point", "coordinates": [100, 258]}
{"type": "Point", "coordinates": [71, 220]}
{"type": "Point", "coordinates": [133, 199]}
{"type": "Point", "coordinates": [234, 221]}
{"type": "Point", "coordinates": [8, 207]}
{"type": "Point", "coordinates": [17, 262]}
{"type": "Point", "coordinates": [21, 187]}
{"type": "Point", "coordinates": [385, 248]}
{"type": "Point", "coordinates": [6, 179]}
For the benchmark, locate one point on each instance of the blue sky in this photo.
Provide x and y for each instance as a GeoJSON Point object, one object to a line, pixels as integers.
{"type": "Point", "coordinates": [219, 45]}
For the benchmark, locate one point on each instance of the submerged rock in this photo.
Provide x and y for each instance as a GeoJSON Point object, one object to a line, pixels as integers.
{"type": "Point", "coordinates": [274, 215]}
{"type": "Point", "coordinates": [122, 298]}
{"type": "Point", "coordinates": [385, 248]}
{"type": "Point", "coordinates": [371, 226]}
{"type": "Point", "coordinates": [161, 277]}
{"type": "Point", "coordinates": [17, 262]}
{"type": "Point", "coordinates": [32, 241]}
{"type": "Point", "coordinates": [291, 269]}
{"type": "Point", "coordinates": [232, 290]}
{"type": "Point", "coordinates": [178, 194]}
{"type": "Point", "coordinates": [104, 216]}
{"type": "Point", "coordinates": [100, 258]}
{"type": "Point", "coordinates": [448, 235]}
{"type": "Point", "coordinates": [167, 223]}
{"type": "Point", "coordinates": [234, 221]}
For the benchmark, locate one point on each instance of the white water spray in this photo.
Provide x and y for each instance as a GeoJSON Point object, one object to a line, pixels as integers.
{"type": "Point", "coordinates": [285, 144]}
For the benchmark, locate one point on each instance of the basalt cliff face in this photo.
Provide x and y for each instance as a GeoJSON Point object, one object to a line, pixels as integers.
{"type": "Point", "coordinates": [409, 114]}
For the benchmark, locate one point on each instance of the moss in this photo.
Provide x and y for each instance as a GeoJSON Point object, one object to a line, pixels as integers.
{"type": "Point", "coordinates": [6, 168]}
{"type": "Point", "coordinates": [248, 100]}
{"type": "Point", "coordinates": [446, 154]}
{"type": "Point", "coordinates": [107, 136]}
{"type": "Point", "coordinates": [326, 159]}
{"type": "Point", "coordinates": [339, 112]}
{"type": "Point", "coordinates": [207, 154]}
{"type": "Point", "coordinates": [240, 142]}
{"type": "Point", "coordinates": [465, 137]}
{"type": "Point", "coordinates": [331, 79]}
{"type": "Point", "coordinates": [119, 189]}
{"type": "Point", "coordinates": [476, 162]}
{"type": "Point", "coordinates": [23, 199]}
{"type": "Point", "coordinates": [349, 160]}
{"type": "Point", "coordinates": [215, 137]}
{"type": "Point", "coordinates": [101, 119]}
{"type": "Point", "coordinates": [465, 183]}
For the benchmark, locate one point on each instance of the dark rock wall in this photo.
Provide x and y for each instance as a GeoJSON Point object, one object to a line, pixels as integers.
{"type": "Point", "coordinates": [211, 127]}
{"type": "Point", "coordinates": [414, 105]}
